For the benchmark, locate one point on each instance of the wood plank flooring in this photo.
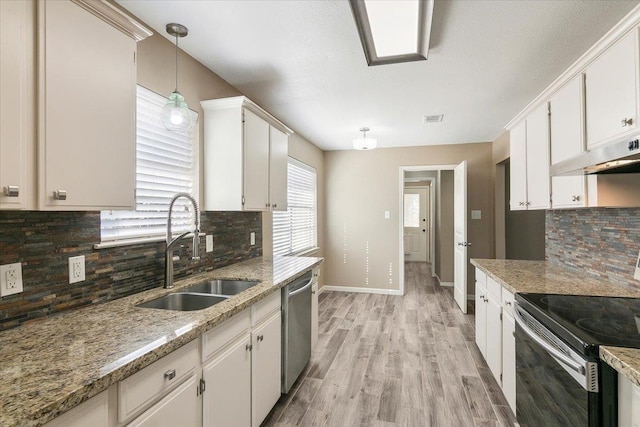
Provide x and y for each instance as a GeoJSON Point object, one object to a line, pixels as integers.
{"type": "Point", "coordinates": [394, 361]}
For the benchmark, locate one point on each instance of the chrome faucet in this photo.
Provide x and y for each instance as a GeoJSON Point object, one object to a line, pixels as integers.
{"type": "Point", "coordinates": [168, 270]}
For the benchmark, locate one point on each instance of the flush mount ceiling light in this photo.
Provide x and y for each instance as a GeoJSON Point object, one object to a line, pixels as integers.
{"type": "Point", "coordinates": [393, 31]}
{"type": "Point", "coordinates": [175, 114]}
{"type": "Point", "coordinates": [364, 143]}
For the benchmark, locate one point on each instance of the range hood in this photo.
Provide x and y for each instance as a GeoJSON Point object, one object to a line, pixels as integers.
{"type": "Point", "coordinates": [619, 157]}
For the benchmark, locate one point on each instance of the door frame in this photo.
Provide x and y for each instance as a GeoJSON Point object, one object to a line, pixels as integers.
{"type": "Point", "coordinates": [401, 171]}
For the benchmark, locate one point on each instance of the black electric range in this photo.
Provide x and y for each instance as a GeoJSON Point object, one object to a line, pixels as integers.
{"type": "Point", "coordinates": [559, 377]}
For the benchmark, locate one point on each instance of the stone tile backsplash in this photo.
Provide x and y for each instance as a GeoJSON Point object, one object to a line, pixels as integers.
{"type": "Point", "coordinates": [600, 241]}
{"type": "Point", "coordinates": [43, 242]}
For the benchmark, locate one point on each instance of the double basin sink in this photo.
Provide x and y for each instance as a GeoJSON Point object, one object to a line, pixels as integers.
{"type": "Point", "coordinates": [200, 295]}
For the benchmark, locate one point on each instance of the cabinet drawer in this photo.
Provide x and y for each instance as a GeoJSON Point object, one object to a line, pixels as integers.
{"type": "Point", "coordinates": [494, 288]}
{"type": "Point", "coordinates": [481, 277]}
{"type": "Point", "coordinates": [507, 301]}
{"type": "Point", "coordinates": [265, 307]}
{"type": "Point", "coordinates": [145, 387]}
{"type": "Point", "coordinates": [178, 408]}
{"type": "Point", "coordinates": [221, 335]}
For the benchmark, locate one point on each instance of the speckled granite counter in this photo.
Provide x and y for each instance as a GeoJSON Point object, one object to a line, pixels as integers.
{"type": "Point", "coordinates": [544, 277]}
{"type": "Point", "coordinates": [624, 360]}
{"type": "Point", "coordinates": [54, 364]}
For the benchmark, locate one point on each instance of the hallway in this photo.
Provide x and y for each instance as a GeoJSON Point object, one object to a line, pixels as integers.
{"type": "Point", "coordinates": [395, 361]}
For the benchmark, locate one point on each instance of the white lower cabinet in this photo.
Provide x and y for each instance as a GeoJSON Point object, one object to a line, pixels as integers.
{"type": "Point", "coordinates": [495, 329]}
{"type": "Point", "coordinates": [266, 340]}
{"type": "Point", "coordinates": [178, 408]}
{"type": "Point", "coordinates": [225, 402]}
{"type": "Point", "coordinates": [93, 412]}
{"type": "Point", "coordinates": [628, 402]}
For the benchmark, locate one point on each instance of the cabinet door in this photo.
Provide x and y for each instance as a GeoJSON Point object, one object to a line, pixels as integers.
{"type": "Point", "coordinates": [509, 360]}
{"type": "Point", "coordinates": [481, 319]}
{"type": "Point", "coordinates": [94, 412]}
{"type": "Point", "coordinates": [87, 106]}
{"type": "Point", "coordinates": [314, 314]}
{"type": "Point", "coordinates": [256, 162]}
{"type": "Point", "coordinates": [518, 177]}
{"type": "Point", "coordinates": [17, 103]}
{"type": "Point", "coordinates": [227, 398]}
{"type": "Point", "coordinates": [538, 182]}
{"type": "Point", "coordinates": [494, 337]}
{"type": "Point", "coordinates": [266, 368]}
{"type": "Point", "coordinates": [611, 92]}
{"type": "Point", "coordinates": [279, 146]}
{"type": "Point", "coordinates": [178, 408]}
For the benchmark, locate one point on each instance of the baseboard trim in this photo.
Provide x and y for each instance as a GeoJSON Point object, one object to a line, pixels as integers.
{"type": "Point", "coordinates": [361, 290]}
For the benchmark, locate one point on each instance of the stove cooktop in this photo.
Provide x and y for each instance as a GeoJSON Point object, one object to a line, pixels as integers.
{"type": "Point", "coordinates": [586, 322]}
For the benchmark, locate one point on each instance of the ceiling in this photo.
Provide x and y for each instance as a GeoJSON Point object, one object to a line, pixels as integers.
{"type": "Point", "coordinates": [303, 62]}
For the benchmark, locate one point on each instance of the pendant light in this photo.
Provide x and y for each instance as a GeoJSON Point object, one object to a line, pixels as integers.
{"type": "Point", "coordinates": [364, 143]}
{"type": "Point", "coordinates": [175, 114]}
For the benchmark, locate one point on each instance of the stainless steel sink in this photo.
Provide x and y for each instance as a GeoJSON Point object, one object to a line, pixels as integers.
{"type": "Point", "coordinates": [221, 287]}
{"type": "Point", "coordinates": [183, 301]}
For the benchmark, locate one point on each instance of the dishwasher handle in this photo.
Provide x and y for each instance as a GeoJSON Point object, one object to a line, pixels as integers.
{"type": "Point", "coordinates": [300, 290]}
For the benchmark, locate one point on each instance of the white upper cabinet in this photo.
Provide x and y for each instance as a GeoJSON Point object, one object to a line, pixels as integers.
{"type": "Point", "coordinates": [529, 177]}
{"type": "Point", "coordinates": [612, 92]}
{"type": "Point", "coordinates": [17, 104]}
{"type": "Point", "coordinates": [87, 102]}
{"type": "Point", "coordinates": [567, 140]}
{"type": "Point", "coordinates": [245, 157]}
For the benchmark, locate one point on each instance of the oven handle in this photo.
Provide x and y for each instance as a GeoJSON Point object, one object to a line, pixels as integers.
{"type": "Point", "coordinates": [571, 363]}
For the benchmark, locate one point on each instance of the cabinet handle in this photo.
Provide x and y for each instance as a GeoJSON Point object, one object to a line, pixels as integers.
{"type": "Point", "coordinates": [12, 191]}
{"type": "Point", "coordinates": [575, 198]}
{"type": "Point", "coordinates": [508, 303]}
{"type": "Point", "coordinates": [248, 347]}
{"type": "Point", "coordinates": [313, 292]}
{"type": "Point", "coordinates": [170, 374]}
{"type": "Point", "coordinates": [626, 122]}
{"type": "Point", "coordinates": [60, 194]}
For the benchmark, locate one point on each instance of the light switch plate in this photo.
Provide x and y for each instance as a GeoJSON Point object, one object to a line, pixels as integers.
{"type": "Point", "coordinates": [636, 274]}
{"type": "Point", "coordinates": [10, 279]}
{"type": "Point", "coordinates": [76, 269]}
{"type": "Point", "coordinates": [209, 241]}
{"type": "Point", "coordinates": [476, 214]}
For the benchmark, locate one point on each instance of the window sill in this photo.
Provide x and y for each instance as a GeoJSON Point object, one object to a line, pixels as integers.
{"type": "Point", "coordinates": [307, 252]}
{"type": "Point", "coordinates": [138, 241]}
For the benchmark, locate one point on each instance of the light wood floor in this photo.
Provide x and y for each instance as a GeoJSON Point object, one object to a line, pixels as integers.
{"type": "Point", "coordinates": [394, 361]}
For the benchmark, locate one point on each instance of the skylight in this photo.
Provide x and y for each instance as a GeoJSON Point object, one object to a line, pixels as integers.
{"type": "Point", "coordinates": [393, 31]}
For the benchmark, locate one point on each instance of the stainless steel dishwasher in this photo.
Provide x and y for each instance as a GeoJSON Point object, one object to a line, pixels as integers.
{"type": "Point", "coordinates": [296, 329]}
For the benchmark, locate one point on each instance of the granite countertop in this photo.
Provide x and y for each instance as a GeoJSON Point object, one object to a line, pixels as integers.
{"type": "Point", "coordinates": [544, 277]}
{"type": "Point", "coordinates": [50, 366]}
{"type": "Point", "coordinates": [624, 360]}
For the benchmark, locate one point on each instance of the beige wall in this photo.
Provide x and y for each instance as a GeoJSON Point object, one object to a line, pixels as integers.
{"type": "Point", "coordinates": [304, 151]}
{"type": "Point", "coordinates": [444, 226]}
{"type": "Point", "coordinates": [156, 72]}
{"type": "Point", "coordinates": [361, 246]}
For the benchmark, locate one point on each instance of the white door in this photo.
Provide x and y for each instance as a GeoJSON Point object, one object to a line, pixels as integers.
{"type": "Point", "coordinates": [460, 235]}
{"type": "Point", "coordinates": [416, 224]}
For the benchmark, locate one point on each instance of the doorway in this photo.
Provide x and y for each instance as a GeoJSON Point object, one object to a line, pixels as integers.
{"type": "Point", "coordinates": [417, 222]}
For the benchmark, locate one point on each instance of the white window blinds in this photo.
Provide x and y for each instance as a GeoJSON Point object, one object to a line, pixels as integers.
{"type": "Point", "coordinates": [295, 231]}
{"type": "Point", "coordinates": [166, 163]}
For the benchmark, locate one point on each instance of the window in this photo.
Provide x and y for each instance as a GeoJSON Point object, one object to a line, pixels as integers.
{"type": "Point", "coordinates": [295, 230]}
{"type": "Point", "coordinates": [166, 163]}
{"type": "Point", "coordinates": [412, 210]}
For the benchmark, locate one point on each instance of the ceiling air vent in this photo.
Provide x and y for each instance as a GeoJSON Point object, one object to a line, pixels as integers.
{"type": "Point", "coordinates": [433, 119]}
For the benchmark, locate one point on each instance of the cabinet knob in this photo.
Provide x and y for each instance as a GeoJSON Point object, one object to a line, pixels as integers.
{"type": "Point", "coordinates": [260, 338]}
{"type": "Point", "coordinates": [508, 303]}
{"type": "Point", "coordinates": [12, 191]}
{"type": "Point", "coordinates": [268, 205]}
{"type": "Point", "coordinates": [313, 292]}
{"type": "Point", "coordinates": [275, 205]}
{"type": "Point", "coordinates": [248, 347]}
{"type": "Point", "coordinates": [60, 194]}
{"type": "Point", "coordinates": [626, 122]}
{"type": "Point", "coordinates": [575, 198]}
{"type": "Point", "coordinates": [170, 374]}
{"type": "Point", "coordinates": [521, 204]}
{"type": "Point", "coordinates": [527, 203]}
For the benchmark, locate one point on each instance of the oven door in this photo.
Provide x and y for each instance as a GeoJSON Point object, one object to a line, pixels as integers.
{"type": "Point", "coordinates": [555, 386]}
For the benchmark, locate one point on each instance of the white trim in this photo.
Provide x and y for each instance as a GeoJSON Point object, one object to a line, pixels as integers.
{"type": "Point", "coordinates": [471, 298]}
{"type": "Point", "coordinates": [244, 102]}
{"type": "Point", "coordinates": [116, 18]}
{"type": "Point", "coordinates": [362, 290]}
{"type": "Point", "coordinates": [140, 240]}
{"type": "Point", "coordinates": [402, 170]}
{"type": "Point", "coordinates": [443, 284]}
{"type": "Point", "coordinates": [621, 29]}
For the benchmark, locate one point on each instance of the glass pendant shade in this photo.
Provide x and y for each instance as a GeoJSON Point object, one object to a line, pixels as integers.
{"type": "Point", "coordinates": [364, 143]}
{"type": "Point", "coordinates": [175, 113]}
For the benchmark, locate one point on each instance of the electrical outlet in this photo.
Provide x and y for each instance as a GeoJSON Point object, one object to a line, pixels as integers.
{"type": "Point", "coordinates": [10, 279]}
{"type": "Point", "coordinates": [253, 238]}
{"type": "Point", "coordinates": [209, 241]}
{"type": "Point", "coordinates": [76, 269]}
{"type": "Point", "coordinates": [636, 274]}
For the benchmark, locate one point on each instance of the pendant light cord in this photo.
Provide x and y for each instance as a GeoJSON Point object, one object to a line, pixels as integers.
{"type": "Point", "coordinates": [176, 63]}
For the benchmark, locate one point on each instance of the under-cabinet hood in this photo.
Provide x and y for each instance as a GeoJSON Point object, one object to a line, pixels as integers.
{"type": "Point", "coordinates": [620, 157]}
